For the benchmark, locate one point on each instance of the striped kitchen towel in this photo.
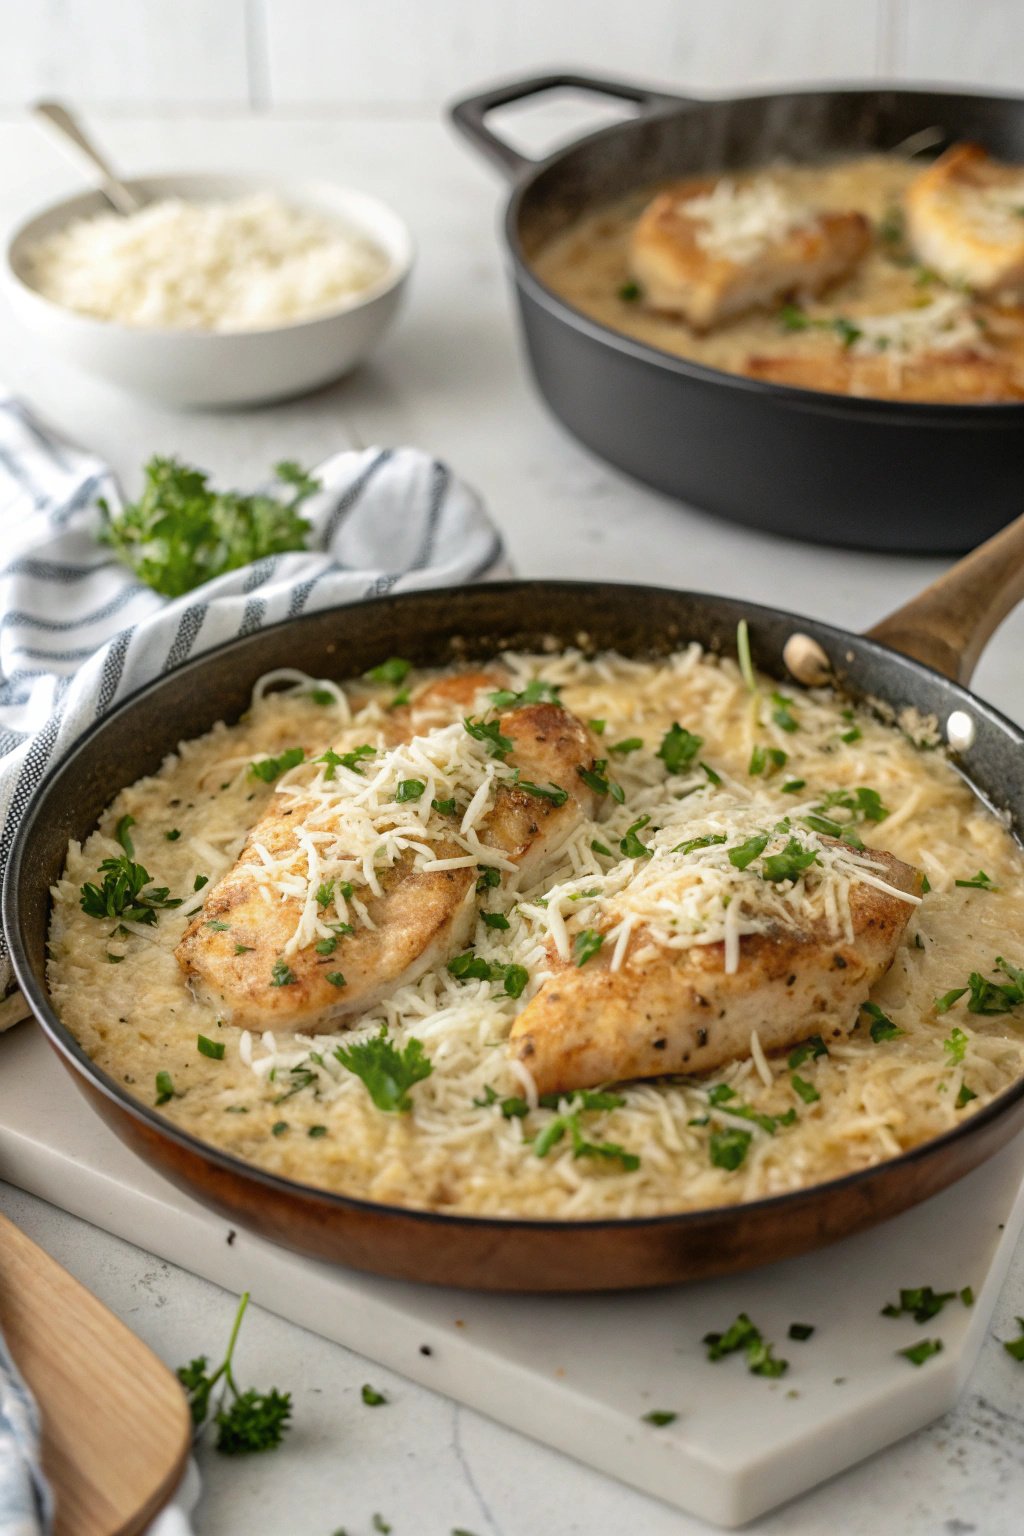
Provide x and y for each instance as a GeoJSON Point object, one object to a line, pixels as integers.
{"type": "Point", "coordinates": [78, 631]}
{"type": "Point", "coordinates": [26, 1507]}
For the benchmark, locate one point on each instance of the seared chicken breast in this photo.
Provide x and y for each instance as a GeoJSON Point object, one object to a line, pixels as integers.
{"type": "Point", "coordinates": [711, 249]}
{"type": "Point", "coordinates": [366, 939]}
{"type": "Point", "coordinates": [666, 1010]}
{"type": "Point", "coordinates": [964, 220]}
{"type": "Point", "coordinates": [970, 374]}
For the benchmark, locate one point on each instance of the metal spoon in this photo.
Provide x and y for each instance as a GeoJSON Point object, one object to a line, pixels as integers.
{"type": "Point", "coordinates": [73, 140]}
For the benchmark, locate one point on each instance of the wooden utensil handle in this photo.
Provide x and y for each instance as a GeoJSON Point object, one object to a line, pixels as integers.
{"type": "Point", "coordinates": [948, 625]}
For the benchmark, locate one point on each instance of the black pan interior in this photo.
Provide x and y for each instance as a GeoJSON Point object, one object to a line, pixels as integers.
{"type": "Point", "coordinates": [805, 126]}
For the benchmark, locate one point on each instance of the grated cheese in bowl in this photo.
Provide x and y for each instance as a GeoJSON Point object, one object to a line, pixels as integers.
{"type": "Point", "coordinates": [241, 264]}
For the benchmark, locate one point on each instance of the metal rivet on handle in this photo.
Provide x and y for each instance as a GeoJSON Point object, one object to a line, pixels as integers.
{"type": "Point", "coordinates": [960, 731]}
{"type": "Point", "coordinates": [806, 661]}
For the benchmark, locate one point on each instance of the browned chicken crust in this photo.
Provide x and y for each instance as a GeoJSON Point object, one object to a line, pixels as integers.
{"type": "Point", "coordinates": [679, 276]}
{"type": "Point", "coordinates": [232, 950]}
{"type": "Point", "coordinates": [681, 1011]}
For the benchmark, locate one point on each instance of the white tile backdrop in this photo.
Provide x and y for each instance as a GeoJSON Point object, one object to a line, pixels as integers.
{"type": "Point", "coordinates": [410, 55]}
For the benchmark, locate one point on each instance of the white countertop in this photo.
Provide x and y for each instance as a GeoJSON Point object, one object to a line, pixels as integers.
{"type": "Point", "coordinates": [450, 379]}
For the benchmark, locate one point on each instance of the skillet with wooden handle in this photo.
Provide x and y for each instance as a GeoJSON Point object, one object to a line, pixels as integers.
{"type": "Point", "coordinates": [922, 656]}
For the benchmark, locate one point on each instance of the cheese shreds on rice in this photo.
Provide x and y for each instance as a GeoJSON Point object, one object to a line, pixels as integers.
{"type": "Point", "coordinates": [124, 996]}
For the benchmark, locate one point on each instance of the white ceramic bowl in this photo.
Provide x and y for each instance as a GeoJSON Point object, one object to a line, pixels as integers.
{"type": "Point", "coordinates": [217, 368]}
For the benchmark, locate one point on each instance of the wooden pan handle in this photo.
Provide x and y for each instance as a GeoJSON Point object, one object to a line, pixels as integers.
{"type": "Point", "coordinates": [948, 625]}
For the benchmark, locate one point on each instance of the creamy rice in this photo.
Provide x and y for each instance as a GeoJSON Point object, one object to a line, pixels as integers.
{"type": "Point", "coordinates": [455, 1151]}
{"type": "Point", "coordinates": [217, 266]}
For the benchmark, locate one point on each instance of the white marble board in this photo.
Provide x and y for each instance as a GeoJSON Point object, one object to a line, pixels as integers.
{"type": "Point", "coordinates": [579, 1373]}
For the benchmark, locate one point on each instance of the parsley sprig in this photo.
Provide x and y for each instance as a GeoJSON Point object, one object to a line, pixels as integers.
{"type": "Point", "coordinates": [124, 893]}
{"type": "Point", "coordinates": [386, 1072]}
{"type": "Point", "coordinates": [180, 533]}
{"type": "Point", "coordinates": [246, 1421]}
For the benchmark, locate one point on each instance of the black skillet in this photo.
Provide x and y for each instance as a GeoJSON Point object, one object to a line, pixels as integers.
{"type": "Point", "coordinates": [946, 627]}
{"type": "Point", "coordinates": [876, 474]}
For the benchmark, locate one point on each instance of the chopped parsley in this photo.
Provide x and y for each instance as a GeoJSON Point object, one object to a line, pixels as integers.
{"type": "Point", "coordinates": [918, 1353]}
{"type": "Point", "coordinates": [630, 292]}
{"type": "Point", "coordinates": [659, 1417]}
{"type": "Point", "coordinates": [792, 318]}
{"type": "Point", "coordinates": [801, 1332]}
{"type": "Point", "coordinates": [282, 975]}
{"type": "Point", "coordinates": [598, 780]}
{"type": "Point", "coordinates": [1015, 1347]}
{"type": "Point", "coordinates": [944, 1003]}
{"type": "Point", "coordinates": [212, 1048]}
{"type": "Point", "coordinates": [489, 877]}
{"type": "Point", "coordinates": [746, 1336]}
{"type": "Point", "coordinates": [372, 1398]}
{"type": "Point", "coordinates": [922, 1303]}
{"type": "Point", "coordinates": [409, 789]}
{"type": "Point", "coordinates": [598, 726]}
{"type": "Point", "coordinates": [124, 893]}
{"type": "Point", "coordinates": [217, 926]}
{"type": "Point", "coordinates": [568, 1122]}
{"type": "Point", "coordinates": [729, 1148]}
{"type": "Point", "coordinates": [535, 692]}
{"type": "Point", "coordinates": [489, 732]}
{"type": "Point", "coordinates": [853, 734]}
{"type": "Point", "coordinates": [586, 944]}
{"type": "Point", "coordinates": [631, 844]}
{"type": "Point", "coordinates": [335, 978]}
{"type": "Point", "coordinates": [789, 864]}
{"type": "Point", "coordinates": [444, 807]}
{"type": "Point", "coordinates": [390, 673]}
{"type": "Point", "coordinates": [979, 882]}
{"type": "Point", "coordinates": [745, 854]}
{"type": "Point", "coordinates": [552, 792]}
{"type": "Point", "coordinates": [316, 1131]}
{"type": "Point", "coordinates": [597, 847]}
{"type": "Point", "coordinates": [333, 760]}
{"type": "Point", "coordinates": [805, 1090]}
{"type": "Point", "coordinates": [813, 1047]}
{"type": "Point", "coordinates": [956, 1046]}
{"type": "Point", "coordinates": [244, 949]}
{"type": "Point", "coordinates": [630, 744]}
{"type": "Point", "coordinates": [180, 533]}
{"type": "Point", "coordinates": [200, 881]}
{"type": "Point", "coordinates": [988, 997]}
{"type": "Point", "coordinates": [165, 1089]}
{"type": "Point", "coordinates": [965, 1096]}
{"type": "Point", "coordinates": [279, 1127]}
{"type": "Point", "coordinates": [473, 967]}
{"type": "Point", "coordinates": [387, 1073]}
{"type": "Point", "coordinates": [270, 768]}
{"type": "Point", "coordinates": [708, 840]}
{"type": "Point", "coordinates": [882, 1027]}
{"type": "Point", "coordinates": [782, 713]}
{"type": "Point", "coordinates": [495, 920]}
{"type": "Point", "coordinates": [246, 1421]}
{"type": "Point", "coordinates": [678, 748]}
{"type": "Point", "coordinates": [173, 835]}
{"type": "Point", "coordinates": [793, 786]}
{"type": "Point", "coordinates": [766, 760]}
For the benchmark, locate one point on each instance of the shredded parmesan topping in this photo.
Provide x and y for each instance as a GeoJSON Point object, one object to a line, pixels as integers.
{"type": "Point", "coordinates": [946, 324]}
{"type": "Point", "coordinates": [739, 221]}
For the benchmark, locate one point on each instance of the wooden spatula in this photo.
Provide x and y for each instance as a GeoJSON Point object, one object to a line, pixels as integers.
{"type": "Point", "coordinates": [116, 1428]}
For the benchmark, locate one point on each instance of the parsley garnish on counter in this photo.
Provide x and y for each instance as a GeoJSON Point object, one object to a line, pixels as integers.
{"type": "Point", "coordinates": [660, 1417]}
{"type": "Point", "coordinates": [246, 1421]}
{"type": "Point", "coordinates": [123, 893]}
{"type": "Point", "coordinates": [1015, 1347]}
{"type": "Point", "coordinates": [744, 1335]}
{"type": "Point", "coordinates": [181, 533]}
{"type": "Point", "coordinates": [387, 1073]}
{"type": "Point", "coordinates": [372, 1398]}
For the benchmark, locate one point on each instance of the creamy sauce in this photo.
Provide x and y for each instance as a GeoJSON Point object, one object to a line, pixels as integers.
{"type": "Point", "coordinates": [588, 265]}
{"type": "Point", "coordinates": [284, 1102]}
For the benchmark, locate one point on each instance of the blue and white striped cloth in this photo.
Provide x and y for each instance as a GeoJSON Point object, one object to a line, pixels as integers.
{"type": "Point", "coordinates": [26, 1507]}
{"type": "Point", "coordinates": [78, 632]}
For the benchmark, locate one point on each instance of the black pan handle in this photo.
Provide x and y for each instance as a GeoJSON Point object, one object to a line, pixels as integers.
{"type": "Point", "coordinates": [469, 115]}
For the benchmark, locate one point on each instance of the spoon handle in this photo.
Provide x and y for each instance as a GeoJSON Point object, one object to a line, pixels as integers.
{"type": "Point", "coordinates": [71, 137]}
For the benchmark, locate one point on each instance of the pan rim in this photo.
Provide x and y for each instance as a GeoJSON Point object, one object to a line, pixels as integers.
{"type": "Point", "coordinates": [64, 1043]}
{"type": "Point", "coordinates": [997, 414]}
